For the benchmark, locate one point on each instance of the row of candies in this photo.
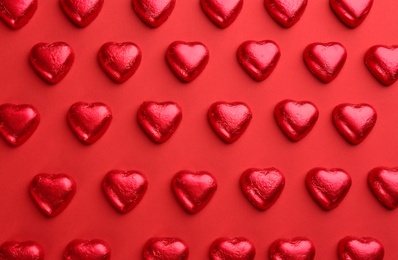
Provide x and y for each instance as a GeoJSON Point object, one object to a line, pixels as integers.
{"type": "Point", "coordinates": [187, 60]}
{"type": "Point", "coordinates": [229, 120]}
{"type": "Point", "coordinates": [172, 248]}
{"type": "Point", "coordinates": [223, 13]}
{"type": "Point", "coordinates": [193, 190]}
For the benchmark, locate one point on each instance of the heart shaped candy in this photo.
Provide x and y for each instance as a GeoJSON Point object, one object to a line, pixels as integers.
{"type": "Point", "coordinates": [124, 189]}
{"type": "Point", "coordinates": [159, 120]}
{"type": "Point", "coordinates": [229, 120]}
{"type": "Point", "coordinates": [383, 182]}
{"type": "Point", "coordinates": [187, 59]}
{"type": "Point", "coordinates": [351, 12]}
{"type": "Point", "coordinates": [382, 62]}
{"type": "Point", "coordinates": [166, 248]}
{"type": "Point", "coordinates": [81, 12]}
{"type": "Point", "coordinates": [52, 192]}
{"type": "Point", "coordinates": [17, 13]}
{"type": "Point", "coordinates": [286, 12]}
{"type": "Point", "coordinates": [27, 250]}
{"type": "Point", "coordinates": [325, 60]}
{"type": "Point", "coordinates": [296, 118]}
{"type": "Point", "coordinates": [154, 12]}
{"type": "Point", "coordinates": [353, 248]}
{"type": "Point", "coordinates": [328, 187]}
{"type": "Point", "coordinates": [238, 248]}
{"type": "Point", "coordinates": [354, 121]}
{"type": "Point", "coordinates": [89, 121]}
{"type": "Point", "coordinates": [94, 249]}
{"type": "Point", "coordinates": [262, 187]}
{"type": "Point", "coordinates": [119, 60]}
{"type": "Point", "coordinates": [52, 61]}
{"type": "Point", "coordinates": [298, 248]}
{"type": "Point", "coordinates": [18, 122]}
{"type": "Point", "coordinates": [222, 12]}
{"type": "Point", "coordinates": [258, 58]}
{"type": "Point", "coordinates": [193, 190]}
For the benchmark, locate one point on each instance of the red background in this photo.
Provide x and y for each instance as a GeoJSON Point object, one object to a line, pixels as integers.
{"type": "Point", "coordinates": [54, 149]}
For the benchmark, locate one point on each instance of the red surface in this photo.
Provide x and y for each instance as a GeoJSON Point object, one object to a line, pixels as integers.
{"type": "Point", "coordinates": [54, 149]}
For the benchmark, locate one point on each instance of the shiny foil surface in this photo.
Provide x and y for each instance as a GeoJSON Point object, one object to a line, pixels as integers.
{"type": "Point", "coordinates": [17, 13]}
{"type": "Point", "coordinates": [383, 182]}
{"type": "Point", "coordinates": [52, 61]}
{"type": "Point", "coordinates": [262, 187]}
{"type": "Point", "coordinates": [351, 12]}
{"type": "Point", "coordinates": [81, 12]}
{"type": "Point", "coordinates": [193, 190]}
{"type": "Point", "coordinates": [124, 189]}
{"type": "Point", "coordinates": [187, 60]}
{"type": "Point", "coordinates": [359, 248]}
{"type": "Point", "coordinates": [229, 120]}
{"type": "Point", "coordinates": [325, 60]}
{"type": "Point", "coordinates": [54, 148]}
{"type": "Point", "coordinates": [328, 187]}
{"type": "Point", "coordinates": [296, 118]}
{"type": "Point", "coordinates": [119, 60]}
{"type": "Point", "coordinates": [258, 58]}
{"type": "Point", "coordinates": [165, 248]}
{"type": "Point", "coordinates": [18, 123]}
{"type": "Point", "coordinates": [159, 120]}
{"type": "Point", "coordinates": [382, 62]}
{"type": "Point", "coordinates": [238, 248]}
{"type": "Point", "coordinates": [298, 248]}
{"type": "Point", "coordinates": [354, 121]}
{"type": "Point", "coordinates": [154, 12]}
{"type": "Point", "coordinates": [94, 249]}
{"type": "Point", "coordinates": [222, 12]}
{"type": "Point", "coordinates": [26, 250]}
{"type": "Point", "coordinates": [52, 192]}
{"type": "Point", "coordinates": [89, 121]}
{"type": "Point", "coordinates": [286, 12]}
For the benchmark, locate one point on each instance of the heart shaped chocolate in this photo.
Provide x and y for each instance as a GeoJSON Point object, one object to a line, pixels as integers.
{"type": "Point", "coordinates": [238, 248]}
{"type": "Point", "coordinates": [296, 118]}
{"type": "Point", "coordinates": [154, 12]}
{"type": "Point", "coordinates": [382, 62]}
{"type": "Point", "coordinates": [52, 61]}
{"type": "Point", "coordinates": [81, 12]}
{"type": "Point", "coordinates": [286, 12]}
{"type": "Point", "coordinates": [187, 59]}
{"type": "Point", "coordinates": [26, 250]}
{"type": "Point", "coordinates": [383, 182]}
{"type": "Point", "coordinates": [17, 13]}
{"type": "Point", "coordinates": [119, 60]}
{"type": "Point", "coordinates": [166, 248]}
{"type": "Point", "coordinates": [351, 12]}
{"type": "Point", "coordinates": [325, 60]}
{"type": "Point", "coordinates": [52, 192]}
{"type": "Point", "coordinates": [262, 187]}
{"type": "Point", "coordinates": [354, 121]}
{"type": "Point", "coordinates": [159, 120]}
{"type": "Point", "coordinates": [222, 12]}
{"type": "Point", "coordinates": [124, 189]}
{"type": "Point", "coordinates": [353, 248]}
{"type": "Point", "coordinates": [193, 190]}
{"type": "Point", "coordinates": [258, 58]}
{"type": "Point", "coordinates": [298, 248]}
{"type": "Point", "coordinates": [89, 121]}
{"type": "Point", "coordinates": [328, 187]}
{"type": "Point", "coordinates": [229, 120]}
{"type": "Point", "coordinates": [18, 123]}
{"type": "Point", "coordinates": [94, 249]}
